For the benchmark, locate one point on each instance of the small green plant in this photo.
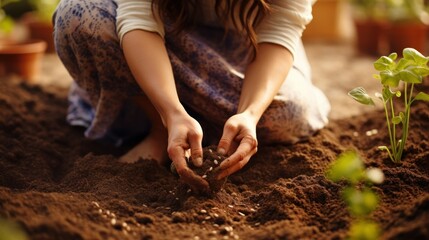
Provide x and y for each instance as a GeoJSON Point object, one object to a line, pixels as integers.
{"type": "Point", "coordinates": [360, 199]}
{"type": "Point", "coordinates": [11, 231]}
{"type": "Point", "coordinates": [6, 22]}
{"type": "Point", "coordinates": [393, 75]}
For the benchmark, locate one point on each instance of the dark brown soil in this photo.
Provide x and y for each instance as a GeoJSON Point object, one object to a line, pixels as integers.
{"type": "Point", "coordinates": [58, 185]}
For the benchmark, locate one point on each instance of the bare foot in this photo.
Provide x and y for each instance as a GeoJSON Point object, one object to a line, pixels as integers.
{"type": "Point", "coordinates": [153, 147]}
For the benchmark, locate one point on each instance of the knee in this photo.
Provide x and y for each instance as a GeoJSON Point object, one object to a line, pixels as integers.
{"type": "Point", "coordinates": [80, 19]}
{"type": "Point", "coordinates": [289, 122]}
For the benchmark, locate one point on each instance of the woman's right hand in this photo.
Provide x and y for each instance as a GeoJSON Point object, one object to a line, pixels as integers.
{"type": "Point", "coordinates": [185, 133]}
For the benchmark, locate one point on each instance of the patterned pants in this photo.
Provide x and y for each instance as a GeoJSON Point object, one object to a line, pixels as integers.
{"type": "Point", "coordinates": [207, 67]}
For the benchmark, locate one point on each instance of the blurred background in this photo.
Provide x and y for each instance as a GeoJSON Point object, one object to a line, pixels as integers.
{"type": "Point", "coordinates": [342, 41]}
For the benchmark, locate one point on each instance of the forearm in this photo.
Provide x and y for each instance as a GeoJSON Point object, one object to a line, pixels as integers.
{"type": "Point", "coordinates": [263, 79]}
{"type": "Point", "coordinates": [148, 60]}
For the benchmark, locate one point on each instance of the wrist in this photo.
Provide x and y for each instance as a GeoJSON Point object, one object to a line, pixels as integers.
{"type": "Point", "coordinates": [172, 114]}
{"type": "Point", "coordinates": [251, 115]}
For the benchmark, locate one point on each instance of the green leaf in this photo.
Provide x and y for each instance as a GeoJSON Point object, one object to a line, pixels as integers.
{"type": "Point", "coordinates": [11, 230]}
{"type": "Point", "coordinates": [393, 56]}
{"type": "Point", "coordinates": [410, 77]}
{"type": "Point", "coordinates": [396, 119]}
{"type": "Point", "coordinates": [421, 71]}
{"type": "Point", "coordinates": [376, 76]}
{"type": "Point", "coordinates": [364, 230]}
{"type": "Point", "coordinates": [387, 93]}
{"type": "Point", "coordinates": [416, 56]}
{"type": "Point", "coordinates": [360, 95]}
{"type": "Point", "coordinates": [348, 166]}
{"type": "Point", "coordinates": [383, 63]}
{"type": "Point", "coordinates": [422, 96]}
{"type": "Point", "coordinates": [6, 24]}
{"type": "Point", "coordinates": [361, 203]}
{"type": "Point", "coordinates": [398, 93]}
{"type": "Point", "coordinates": [389, 78]}
{"type": "Point", "coordinates": [384, 148]}
{"type": "Point", "coordinates": [402, 64]}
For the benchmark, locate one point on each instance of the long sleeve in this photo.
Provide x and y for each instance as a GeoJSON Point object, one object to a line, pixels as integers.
{"type": "Point", "coordinates": [284, 26]}
{"type": "Point", "coordinates": [137, 14]}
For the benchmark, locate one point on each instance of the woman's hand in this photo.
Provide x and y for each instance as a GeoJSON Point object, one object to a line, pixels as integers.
{"type": "Point", "coordinates": [185, 133]}
{"type": "Point", "coordinates": [238, 142]}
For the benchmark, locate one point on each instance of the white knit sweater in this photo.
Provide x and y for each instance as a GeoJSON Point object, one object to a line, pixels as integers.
{"type": "Point", "coordinates": [284, 26]}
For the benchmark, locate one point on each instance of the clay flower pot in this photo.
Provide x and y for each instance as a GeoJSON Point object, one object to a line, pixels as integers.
{"type": "Point", "coordinates": [22, 58]}
{"type": "Point", "coordinates": [371, 36]}
{"type": "Point", "coordinates": [408, 34]}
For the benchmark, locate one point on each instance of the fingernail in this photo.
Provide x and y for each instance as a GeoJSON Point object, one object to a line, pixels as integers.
{"type": "Point", "coordinates": [199, 161]}
{"type": "Point", "coordinates": [221, 151]}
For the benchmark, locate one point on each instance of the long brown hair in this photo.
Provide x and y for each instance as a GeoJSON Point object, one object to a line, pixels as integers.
{"type": "Point", "coordinates": [245, 14]}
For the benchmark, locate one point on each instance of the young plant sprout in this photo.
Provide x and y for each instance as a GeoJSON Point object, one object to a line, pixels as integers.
{"type": "Point", "coordinates": [360, 199]}
{"type": "Point", "coordinates": [406, 72]}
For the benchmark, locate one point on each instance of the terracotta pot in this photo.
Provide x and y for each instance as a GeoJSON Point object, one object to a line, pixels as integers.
{"type": "Point", "coordinates": [371, 36]}
{"type": "Point", "coordinates": [23, 58]}
{"type": "Point", "coordinates": [408, 34]}
{"type": "Point", "coordinates": [42, 31]}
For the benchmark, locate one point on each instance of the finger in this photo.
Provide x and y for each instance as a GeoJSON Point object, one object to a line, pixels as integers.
{"type": "Point", "coordinates": [196, 182]}
{"type": "Point", "coordinates": [233, 168]}
{"type": "Point", "coordinates": [229, 133]}
{"type": "Point", "coordinates": [177, 155]}
{"type": "Point", "coordinates": [233, 147]}
{"type": "Point", "coordinates": [247, 147]}
{"type": "Point", "coordinates": [195, 140]}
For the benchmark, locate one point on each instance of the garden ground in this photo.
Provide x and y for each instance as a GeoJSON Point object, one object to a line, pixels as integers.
{"type": "Point", "coordinates": [58, 185]}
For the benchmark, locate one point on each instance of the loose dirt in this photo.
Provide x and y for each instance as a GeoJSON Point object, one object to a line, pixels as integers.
{"type": "Point", "coordinates": [58, 185]}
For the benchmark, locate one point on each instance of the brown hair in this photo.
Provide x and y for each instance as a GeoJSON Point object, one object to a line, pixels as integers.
{"type": "Point", "coordinates": [245, 14]}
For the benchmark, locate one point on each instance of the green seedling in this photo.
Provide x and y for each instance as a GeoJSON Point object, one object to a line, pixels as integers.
{"type": "Point", "coordinates": [11, 231]}
{"type": "Point", "coordinates": [6, 22]}
{"type": "Point", "coordinates": [394, 76]}
{"type": "Point", "coordinates": [358, 196]}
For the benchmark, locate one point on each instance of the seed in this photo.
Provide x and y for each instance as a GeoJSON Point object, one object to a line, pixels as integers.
{"type": "Point", "coordinates": [113, 221]}
{"type": "Point", "coordinates": [215, 162]}
{"type": "Point", "coordinates": [100, 211]}
{"type": "Point", "coordinates": [203, 211]}
{"type": "Point", "coordinates": [230, 206]}
{"type": "Point", "coordinates": [257, 224]}
{"type": "Point", "coordinates": [241, 214]}
{"type": "Point", "coordinates": [216, 215]}
{"type": "Point", "coordinates": [204, 176]}
{"type": "Point", "coordinates": [189, 190]}
{"type": "Point", "coordinates": [207, 218]}
{"type": "Point", "coordinates": [252, 210]}
{"type": "Point", "coordinates": [210, 151]}
{"type": "Point", "coordinates": [210, 169]}
{"type": "Point", "coordinates": [108, 212]}
{"type": "Point", "coordinates": [124, 224]}
{"type": "Point", "coordinates": [96, 204]}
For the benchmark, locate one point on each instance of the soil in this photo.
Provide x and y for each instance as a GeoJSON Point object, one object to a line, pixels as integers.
{"type": "Point", "coordinates": [58, 185]}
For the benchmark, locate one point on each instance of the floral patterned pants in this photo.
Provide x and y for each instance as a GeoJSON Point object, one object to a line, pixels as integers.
{"type": "Point", "coordinates": [207, 68]}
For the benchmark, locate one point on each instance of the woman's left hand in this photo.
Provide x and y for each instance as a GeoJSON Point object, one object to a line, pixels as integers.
{"type": "Point", "coordinates": [238, 142]}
